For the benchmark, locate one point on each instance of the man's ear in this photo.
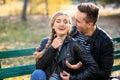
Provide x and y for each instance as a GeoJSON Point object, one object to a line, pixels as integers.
{"type": "Point", "coordinates": [90, 24]}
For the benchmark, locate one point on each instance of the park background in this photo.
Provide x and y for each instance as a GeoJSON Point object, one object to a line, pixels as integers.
{"type": "Point", "coordinates": [23, 24]}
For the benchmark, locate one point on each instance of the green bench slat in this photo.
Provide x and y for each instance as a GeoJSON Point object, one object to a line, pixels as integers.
{"type": "Point", "coordinates": [16, 71]}
{"type": "Point", "coordinates": [16, 53]}
{"type": "Point", "coordinates": [116, 67]}
{"type": "Point", "coordinates": [116, 39]}
{"type": "Point", "coordinates": [117, 52]}
{"type": "Point", "coordinates": [117, 56]}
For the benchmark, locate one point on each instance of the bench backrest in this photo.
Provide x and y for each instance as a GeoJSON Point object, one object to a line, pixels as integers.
{"type": "Point", "coordinates": [116, 42]}
{"type": "Point", "coordinates": [17, 70]}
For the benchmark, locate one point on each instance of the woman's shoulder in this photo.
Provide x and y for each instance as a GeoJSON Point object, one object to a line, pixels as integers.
{"type": "Point", "coordinates": [43, 43]}
{"type": "Point", "coordinates": [45, 40]}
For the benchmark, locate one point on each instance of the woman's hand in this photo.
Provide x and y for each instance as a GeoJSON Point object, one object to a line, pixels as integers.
{"type": "Point", "coordinates": [57, 42]}
{"type": "Point", "coordinates": [74, 66]}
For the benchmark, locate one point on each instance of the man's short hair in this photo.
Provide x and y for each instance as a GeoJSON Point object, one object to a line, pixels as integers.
{"type": "Point", "coordinates": [91, 10]}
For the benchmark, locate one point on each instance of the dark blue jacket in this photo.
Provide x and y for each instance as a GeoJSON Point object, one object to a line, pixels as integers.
{"type": "Point", "coordinates": [101, 50]}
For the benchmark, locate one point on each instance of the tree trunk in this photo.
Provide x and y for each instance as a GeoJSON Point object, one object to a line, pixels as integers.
{"type": "Point", "coordinates": [47, 11]}
{"type": "Point", "coordinates": [24, 11]}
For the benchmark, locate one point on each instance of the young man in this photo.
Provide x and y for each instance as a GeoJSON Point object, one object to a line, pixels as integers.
{"type": "Point", "coordinates": [94, 39]}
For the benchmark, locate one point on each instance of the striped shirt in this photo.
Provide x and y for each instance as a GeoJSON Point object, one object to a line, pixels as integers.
{"type": "Point", "coordinates": [81, 38]}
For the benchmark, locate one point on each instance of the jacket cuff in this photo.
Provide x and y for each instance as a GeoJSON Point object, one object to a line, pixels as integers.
{"type": "Point", "coordinates": [51, 49]}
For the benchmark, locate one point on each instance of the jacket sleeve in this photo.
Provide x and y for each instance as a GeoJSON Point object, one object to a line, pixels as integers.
{"type": "Point", "coordinates": [46, 58]}
{"type": "Point", "coordinates": [43, 43]}
{"type": "Point", "coordinates": [106, 57]}
{"type": "Point", "coordinates": [88, 62]}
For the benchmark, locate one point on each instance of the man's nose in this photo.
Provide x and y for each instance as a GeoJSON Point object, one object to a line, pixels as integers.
{"type": "Point", "coordinates": [75, 22]}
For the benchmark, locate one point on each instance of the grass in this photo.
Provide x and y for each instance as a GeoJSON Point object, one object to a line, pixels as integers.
{"type": "Point", "coordinates": [22, 34]}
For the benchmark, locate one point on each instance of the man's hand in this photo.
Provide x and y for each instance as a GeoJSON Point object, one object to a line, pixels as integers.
{"type": "Point", "coordinates": [36, 54]}
{"type": "Point", "coordinates": [64, 75]}
{"type": "Point", "coordinates": [73, 67]}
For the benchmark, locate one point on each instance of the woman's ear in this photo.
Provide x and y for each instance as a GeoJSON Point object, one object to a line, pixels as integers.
{"type": "Point", "coordinates": [53, 27]}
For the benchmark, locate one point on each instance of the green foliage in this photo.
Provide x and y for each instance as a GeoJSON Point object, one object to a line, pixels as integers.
{"type": "Point", "coordinates": [109, 1]}
{"type": "Point", "coordinates": [39, 6]}
{"type": "Point", "coordinates": [56, 5]}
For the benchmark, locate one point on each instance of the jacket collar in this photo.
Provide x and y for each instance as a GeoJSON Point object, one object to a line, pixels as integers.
{"type": "Point", "coordinates": [67, 39]}
{"type": "Point", "coordinates": [74, 31]}
{"type": "Point", "coordinates": [93, 37]}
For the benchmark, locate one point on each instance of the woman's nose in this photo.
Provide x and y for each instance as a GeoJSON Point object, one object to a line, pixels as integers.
{"type": "Point", "coordinates": [61, 23]}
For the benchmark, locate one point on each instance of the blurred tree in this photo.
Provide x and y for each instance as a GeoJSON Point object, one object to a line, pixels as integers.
{"type": "Point", "coordinates": [57, 5]}
{"type": "Point", "coordinates": [47, 7]}
{"type": "Point", "coordinates": [24, 10]}
{"type": "Point", "coordinates": [103, 2]}
{"type": "Point", "coordinates": [80, 1]}
{"type": "Point", "coordinates": [6, 1]}
{"type": "Point", "coordinates": [2, 1]}
{"type": "Point", "coordinates": [34, 4]}
{"type": "Point", "coordinates": [109, 1]}
{"type": "Point", "coordinates": [9, 1]}
{"type": "Point", "coordinates": [46, 3]}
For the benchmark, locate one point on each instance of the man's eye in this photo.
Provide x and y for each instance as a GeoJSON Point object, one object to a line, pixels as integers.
{"type": "Point", "coordinates": [77, 21]}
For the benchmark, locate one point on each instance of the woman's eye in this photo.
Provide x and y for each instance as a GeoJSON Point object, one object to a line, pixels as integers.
{"type": "Point", "coordinates": [58, 21]}
{"type": "Point", "coordinates": [65, 22]}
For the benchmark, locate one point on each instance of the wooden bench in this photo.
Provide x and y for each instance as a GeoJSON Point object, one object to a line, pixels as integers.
{"type": "Point", "coordinates": [28, 69]}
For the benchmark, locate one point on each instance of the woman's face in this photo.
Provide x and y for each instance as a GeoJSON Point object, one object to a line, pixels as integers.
{"type": "Point", "coordinates": [62, 25]}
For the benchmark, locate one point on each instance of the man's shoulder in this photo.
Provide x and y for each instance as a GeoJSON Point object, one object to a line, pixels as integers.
{"type": "Point", "coordinates": [104, 35]}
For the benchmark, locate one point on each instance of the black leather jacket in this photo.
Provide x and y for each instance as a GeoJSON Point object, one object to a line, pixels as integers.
{"type": "Point", "coordinates": [101, 50]}
{"type": "Point", "coordinates": [73, 52]}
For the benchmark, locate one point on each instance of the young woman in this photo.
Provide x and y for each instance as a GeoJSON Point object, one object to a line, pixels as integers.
{"type": "Point", "coordinates": [60, 49]}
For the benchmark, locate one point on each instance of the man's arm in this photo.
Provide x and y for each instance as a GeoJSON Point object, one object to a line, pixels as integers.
{"type": "Point", "coordinates": [90, 66]}
{"type": "Point", "coordinates": [106, 60]}
{"type": "Point", "coordinates": [73, 66]}
{"type": "Point", "coordinates": [36, 54]}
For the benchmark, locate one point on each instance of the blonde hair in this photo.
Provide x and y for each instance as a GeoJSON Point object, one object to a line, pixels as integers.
{"type": "Point", "coordinates": [53, 33]}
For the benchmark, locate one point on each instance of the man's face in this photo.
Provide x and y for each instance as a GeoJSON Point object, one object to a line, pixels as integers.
{"type": "Point", "coordinates": [81, 24]}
